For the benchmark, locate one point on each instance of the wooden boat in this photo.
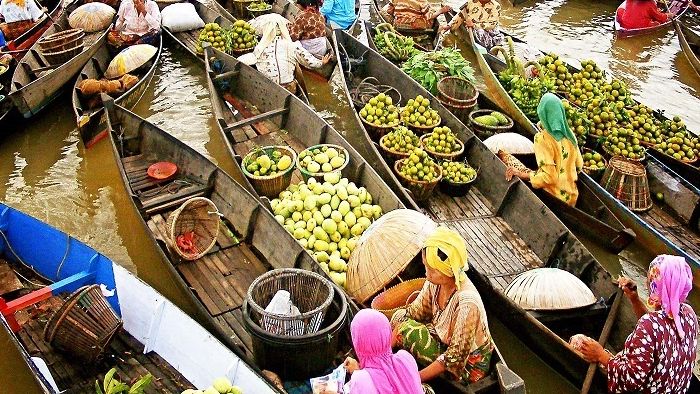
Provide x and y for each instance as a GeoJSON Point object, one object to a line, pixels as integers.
{"type": "Point", "coordinates": [690, 44]}
{"type": "Point", "coordinates": [668, 228]}
{"type": "Point", "coordinates": [217, 282]}
{"type": "Point", "coordinates": [496, 218]}
{"type": "Point", "coordinates": [35, 83]}
{"type": "Point", "coordinates": [210, 11]}
{"type": "Point", "coordinates": [675, 7]}
{"type": "Point", "coordinates": [426, 39]}
{"type": "Point", "coordinates": [157, 337]}
{"type": "Point", "coordinates": [18, 47]}
{"type": "Point", "coordinates": [91, 121]}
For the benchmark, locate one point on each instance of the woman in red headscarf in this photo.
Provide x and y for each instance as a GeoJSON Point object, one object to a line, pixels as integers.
{"type": "Point", "coordinates": [637, 14]}
{"type": "Point", "coordinates": [660, 353]}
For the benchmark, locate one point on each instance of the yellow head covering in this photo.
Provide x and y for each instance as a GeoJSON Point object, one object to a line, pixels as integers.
{"type": "Point", "coordinates": [453, 245]}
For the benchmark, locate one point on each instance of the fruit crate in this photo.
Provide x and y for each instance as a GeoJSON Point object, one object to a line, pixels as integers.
{"type": "Point", "coordinates": [420, 190]}
{"type": "Point", "coordinates": [270, 185]}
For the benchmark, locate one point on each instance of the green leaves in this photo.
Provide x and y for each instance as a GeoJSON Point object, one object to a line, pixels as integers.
{"type": "Point", "coordinates": [427, 68]}
{"type": "Point", "coordinates": [110, 385]}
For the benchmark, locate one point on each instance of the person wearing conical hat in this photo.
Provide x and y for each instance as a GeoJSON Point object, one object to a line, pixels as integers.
{"type": "Point", "coordinates": [445, 328]}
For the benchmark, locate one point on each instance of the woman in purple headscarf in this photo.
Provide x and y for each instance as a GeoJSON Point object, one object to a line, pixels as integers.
{"type": "Point", "coordinates": [379, 371]}
{"type": "Point", "coordinates": [660, 353]}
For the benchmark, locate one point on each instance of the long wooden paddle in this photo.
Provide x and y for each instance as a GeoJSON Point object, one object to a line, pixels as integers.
{"type": "Point", "coordinates": [607, 329]}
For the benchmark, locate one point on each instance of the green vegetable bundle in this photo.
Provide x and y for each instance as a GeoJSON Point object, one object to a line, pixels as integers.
{"type": "Point", "coordinates": [391, 44]}
{"type": "Point", "coordinates": [430, 67]}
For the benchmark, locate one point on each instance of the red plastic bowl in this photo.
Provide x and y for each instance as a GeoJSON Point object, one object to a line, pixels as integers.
{"type": "Point", "coordinates": [162, 170]}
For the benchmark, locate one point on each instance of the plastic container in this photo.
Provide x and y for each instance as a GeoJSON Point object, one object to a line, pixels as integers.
{"type": "Point", "coordinates": [299, 357]}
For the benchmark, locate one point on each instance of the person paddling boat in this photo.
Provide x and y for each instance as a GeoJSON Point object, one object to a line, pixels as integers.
{"type": "Point", "coordinates": [638, 14]}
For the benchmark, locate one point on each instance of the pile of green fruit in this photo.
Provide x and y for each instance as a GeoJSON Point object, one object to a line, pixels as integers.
{"type": "Point", "coordinates": [215, 35]}
{"type": "Point", "coordinates": [243, 36]}
{"type": "Point", "coordinates": [401, 140]}
{"type": "Point", "coordinates": [593, 161]}
{"type": "Point", "coordinates": [259, 6]}
{"type": "Point", "coordinates": [623, 141]}
{"type": "Point", "coordinates": [420, 167]}
{"type": "Point", "coordinates": [442, 140]}
{"type": "Point", "coordinates": [558, 71]}
{"type": "Point", "coordinates": [267, 162]}
{"type": "Point", "coordinates": [220, 386]}
{"type": "Point", "coordinates": [327, 218]}
{"type": "Point", "coordinates": [577, 120]}
{"type": "Point", "coordinates": [391, 44]}
{"type": "Point", "coordinates": [322, 159]}
{"type": "Point", "coordinates": [380, 111]}
{"type": "Point", "coordinates": [418, 113]}
{"type": "Point", "coordinates": [682, 146]}
{"type": "Point", "coordinates": [493, 119]}
{"type": "Point", "coordinates": [457, 172]}
{"type": "Point", "coordinates": [645, 124]}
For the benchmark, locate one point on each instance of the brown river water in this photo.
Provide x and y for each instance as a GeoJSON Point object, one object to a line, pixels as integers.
{"type": "Point", "coordinates": [46, 171]}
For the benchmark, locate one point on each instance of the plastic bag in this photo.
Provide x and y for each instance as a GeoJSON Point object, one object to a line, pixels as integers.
{"type": "Point", "coordinates": [333, 383]}
{"type": "Point", "coordinates": [181, 17]}
{"type": "Point", "coordinates": [281, 304]}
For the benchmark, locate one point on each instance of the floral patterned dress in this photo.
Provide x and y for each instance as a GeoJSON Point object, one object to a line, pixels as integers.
{"type": "Point", "coordinates": [559, 163]}
{"type": "Point", "coordinates": [458, 335]}
{"type": "Point", "coordinates": [655, 359]}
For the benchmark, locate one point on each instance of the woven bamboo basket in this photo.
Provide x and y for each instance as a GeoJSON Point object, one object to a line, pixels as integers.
{"type": "Point", "coordinates": [594, 172]}
{"type": "Point", "coordinates": [442, 156]}
{"type": "Point", "coordinates": [549, 289]}
{"type": "Point", "coordinates": [456, 189]}
{"type": "Point", "coordinates": [257, 13]}
{"type": "Point", "coordinates": [200, 216]}
{"type": "Point", "coordinates": [84, 325]}
{"type": "Point", "coordinates": [390, 154]}
{"type": "Point", "coordinates": [377, 132]}
{"type": "Point", "coordinates": [422, 130]}
{"type": "Point", "coordinates": [65, 39]}
{"type": "Point", "coordinates": [681, 160]}
{"type": "Point", "coordinates": [309, 292]}
{"type": "Point", "coordinates": [397, 297]}
{"type": "Point", "coordinates": [385, 250]}
{"type": "Point", "coordinates": [458, 95]}
{"type": "Point", "coordinates": [421, 190]}
{"type": "Point", "coordinates": [270, 185]}
{"type": "Point", "coordinates": [319, 175]}
{"type": "Point", "coordinates": [484, 131]}
{"type": "Point", "coordinates": [60, 57]}
{"type": "Point", "coordinates": [239, 52]}
{"type": "Point", "coordinates": [627, 181]}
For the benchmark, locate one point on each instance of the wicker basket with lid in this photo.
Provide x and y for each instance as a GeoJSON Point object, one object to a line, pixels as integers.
{"type": "Point", "coordinates": [385, 250]}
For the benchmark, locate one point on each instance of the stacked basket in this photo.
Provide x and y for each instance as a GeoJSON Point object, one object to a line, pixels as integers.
{"type": "Point", "coordinates": [458, 95]}
{"type": "Point", "coordinates": [58, 48]}
{"type": "Point", "coordinates": [627, 181]}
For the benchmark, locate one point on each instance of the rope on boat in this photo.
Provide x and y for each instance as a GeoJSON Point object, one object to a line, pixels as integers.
{"type": "Point", "coordinates": [9, 246]}
{"type": "Point", "coordinates": [172, 188]}
{"type": "Point", "coordinates": [370, 87]}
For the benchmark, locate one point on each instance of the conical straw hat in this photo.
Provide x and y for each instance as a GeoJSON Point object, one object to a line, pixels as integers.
{"type": "Point", "coordinates": [384, 251]}
{"type": "Point", "coordinates": [129, 59]}
{"type": "Point", "coordinates": [549, 289]}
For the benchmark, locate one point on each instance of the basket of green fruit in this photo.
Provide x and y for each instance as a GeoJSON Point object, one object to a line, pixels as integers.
{"type": "Point", "coordinates": [399, 143]}
{"type": "Point", "coordinates": [379, 115]}
{"type": "Point", "coordinates": [486, 123]}
{"type": "Point", "coordinates": [243, 38]}
{"type": "Point", "coordinates": [216, 36]}
{"type": "Point", "coordinates": [269, 169]}
{"type": "Point", "coordinates": [318, 160]}
{"type": "Point", "coordinates": [419, 116]}
{"type": "Point", "coordinates": [258, 8]}
{"type": "Point", "coordinates": [442, 143]}
{"type": "Point", "coordinates": [593, 163]}
{"type": "Point", "coordinates": [457, 178]}
{"type": "Point", "coordinates": [419, 174]}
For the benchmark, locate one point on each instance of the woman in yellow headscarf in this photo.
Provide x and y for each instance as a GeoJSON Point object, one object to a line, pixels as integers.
{"type": "Point", "coordinates": [446, 328]}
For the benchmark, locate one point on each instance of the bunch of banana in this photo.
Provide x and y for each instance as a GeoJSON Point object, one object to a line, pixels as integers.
{"type": "Point", "coordinates": [392, 45]}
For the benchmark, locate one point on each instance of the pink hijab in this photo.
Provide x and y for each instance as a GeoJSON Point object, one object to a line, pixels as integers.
{"type": "Point", "coordinates": [670, 281]}
{"type": "Point", "coordinates": [382, 371]}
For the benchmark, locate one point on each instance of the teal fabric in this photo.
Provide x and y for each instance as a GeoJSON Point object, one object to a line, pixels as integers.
{"type": "Point", "coordinates": [553, 118]}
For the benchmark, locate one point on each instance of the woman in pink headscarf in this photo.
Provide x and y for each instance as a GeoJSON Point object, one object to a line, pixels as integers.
{"type": "Point", "coordinates": [660, 353]}
{"type": "Point", "coordinates": [379, 371]}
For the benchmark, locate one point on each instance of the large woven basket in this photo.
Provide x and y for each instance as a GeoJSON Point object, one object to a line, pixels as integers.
{"type": "Point", "coordinates": [61, 40]}
{"type": "Point", "coordinates": [627, 181]}
{"type": "Point", "coordinates": [62, 56]}
{"type": "Point", "coordinates": [397, 297]}
{"type": "Point", "coordinates": [377, 132]}
{"type": "Point", "coordinates": [421, 190]}
{"type": "Point", "coordinates": [385, 250]}
{"type": "Point", "coordinates": [84, 325]}
{"type": "Point", "coordinates": [270, 185]}
{"type": "Point", "coordinates": [441, 156]}
{"type": "Point", "coordinates": [309, 292]}
{"type": "Point", "coordinates": [458, 95]}
{"type": "Point", "coordinates": [306, 175]}
{"type": "Point", "coordinates": [483, 131]}
{"type": "Point", "coordinates": [593, 172]}
{"type": "Point", "coordinates": [197, 215]}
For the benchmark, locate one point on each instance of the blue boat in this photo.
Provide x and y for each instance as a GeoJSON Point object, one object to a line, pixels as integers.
{"type": "Point", "coordinates": [41, 268]}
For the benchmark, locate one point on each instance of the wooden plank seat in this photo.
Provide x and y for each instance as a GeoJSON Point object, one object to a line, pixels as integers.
{"type": "Point", "coordinates": [494, 248]}
{"type": "Point", "coordinates": [189, 38]}
{"type": "Point", "coordinates": [125, 353]}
